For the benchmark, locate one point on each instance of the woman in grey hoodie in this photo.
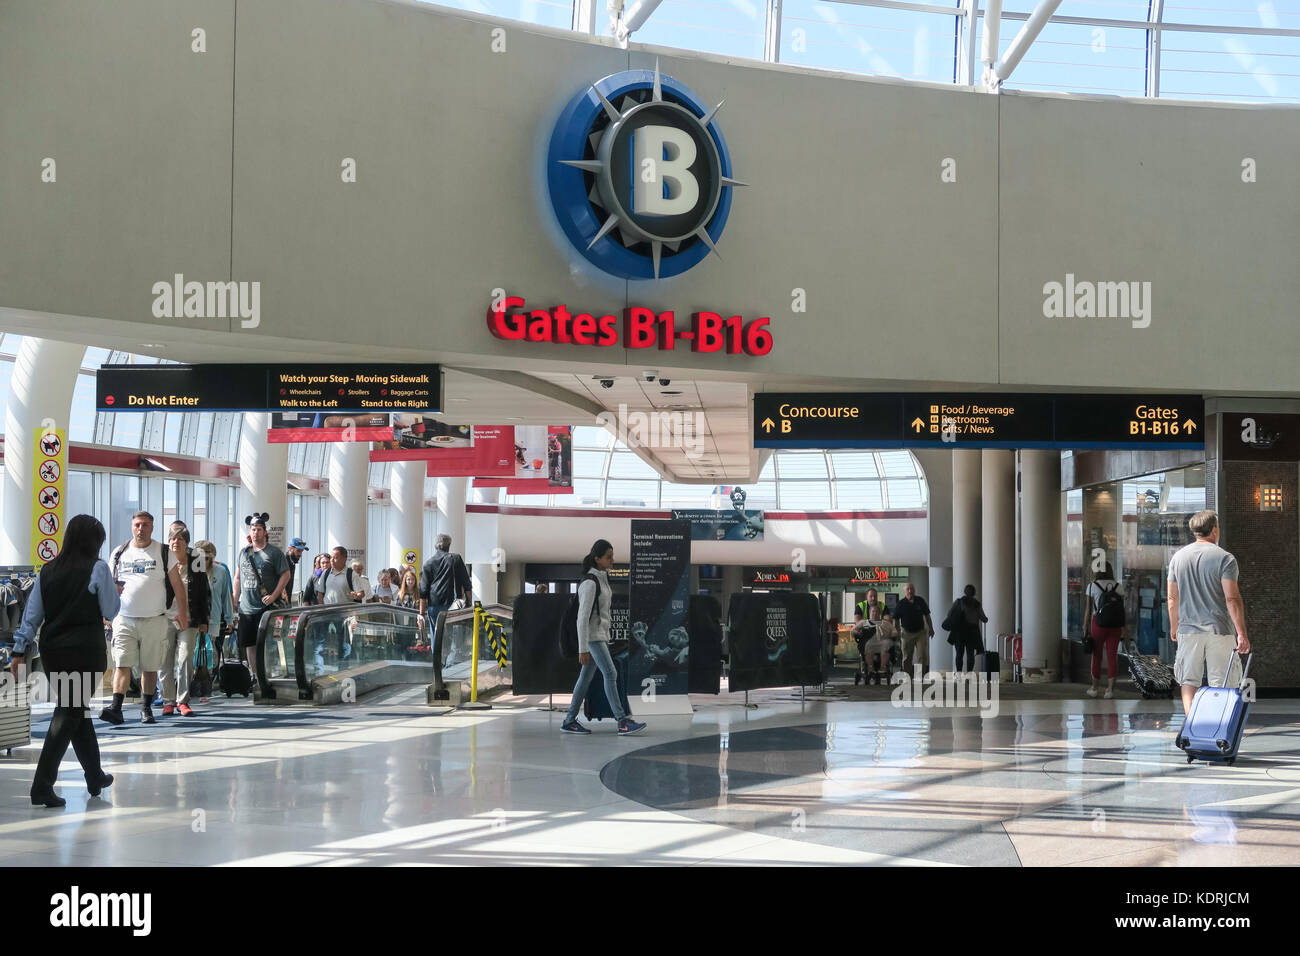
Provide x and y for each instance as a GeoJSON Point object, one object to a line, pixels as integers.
{"type": "Point", "coordinates": [594, 597]}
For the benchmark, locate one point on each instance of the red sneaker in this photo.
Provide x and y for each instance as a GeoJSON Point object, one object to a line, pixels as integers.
{"type": "Point", "coordinates": [185, 710]}
{"type": "Point", "coordinates": [168, 710]}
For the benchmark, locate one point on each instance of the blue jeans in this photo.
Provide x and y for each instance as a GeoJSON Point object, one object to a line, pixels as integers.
{"type": "Point", "coordinates": [600, 660]}
{"type": "Point", "coordinates": [433, 610]}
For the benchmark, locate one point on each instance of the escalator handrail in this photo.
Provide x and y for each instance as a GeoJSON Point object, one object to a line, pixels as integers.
{"type": "Point", "coordinates": [305, 612]}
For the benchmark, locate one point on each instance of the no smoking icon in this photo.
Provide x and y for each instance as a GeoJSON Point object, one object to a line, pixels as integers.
{"type": "Point", "coordinates": [50, 471]}
{"type": "Point", "coordinates": [47, 550]}
{"type": "Point", "coordinates": [49, 498]}
{"type": "Point", "coordinates": [48, 523]}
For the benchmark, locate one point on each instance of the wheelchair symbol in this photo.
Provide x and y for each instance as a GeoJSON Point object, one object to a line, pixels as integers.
{"type": "Point", "coordinates": [48, 550]}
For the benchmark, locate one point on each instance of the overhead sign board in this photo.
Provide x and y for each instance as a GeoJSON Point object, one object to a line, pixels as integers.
{"type": "Point", "coordinates": [269, 388]}
{"type": "Point", "coordinates": [977, 420]}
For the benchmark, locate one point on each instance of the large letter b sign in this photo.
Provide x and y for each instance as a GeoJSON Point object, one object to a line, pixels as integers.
{"type": "Point", "coordinates": [640, 176]}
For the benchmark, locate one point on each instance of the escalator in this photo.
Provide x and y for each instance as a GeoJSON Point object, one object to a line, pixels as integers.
{"type": "Point", "coordinates": [336, 653]}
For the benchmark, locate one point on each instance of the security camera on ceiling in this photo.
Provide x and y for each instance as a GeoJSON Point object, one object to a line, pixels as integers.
{"type": "Point", "coordinates": [650, 375]}
{"type": "Point", "coordinates": [606, 383]}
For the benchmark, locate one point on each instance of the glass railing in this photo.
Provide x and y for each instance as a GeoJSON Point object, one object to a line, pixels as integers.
{"type": "Point", "coordinates": [298, 645]}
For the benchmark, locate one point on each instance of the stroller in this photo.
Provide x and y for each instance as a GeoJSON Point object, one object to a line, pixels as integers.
{"type": "Point", "coordinates": [879, 654]}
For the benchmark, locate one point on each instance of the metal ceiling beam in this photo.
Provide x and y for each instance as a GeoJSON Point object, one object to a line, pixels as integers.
{"type": "Point", "coordinates": [634, 18]}
{"type": "Point", "coordinates": [1024, 39]}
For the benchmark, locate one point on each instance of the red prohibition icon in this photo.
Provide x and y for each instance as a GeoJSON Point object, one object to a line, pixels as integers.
{"type": "Point", "coordinates": [47, 550]}
{"type": "Point", "coordinates": [49, 472]}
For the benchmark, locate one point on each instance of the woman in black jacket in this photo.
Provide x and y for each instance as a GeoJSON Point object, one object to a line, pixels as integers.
{"type": "Point", "coordinates": [72, 597]}
{"type": "Point", "coordinates": [965, 616]}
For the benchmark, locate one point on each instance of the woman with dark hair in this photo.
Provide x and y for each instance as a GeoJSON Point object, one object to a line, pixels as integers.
{"type": "Point", "coordinates": [1099, 616]}
{"type": "Point", "coordinates": [963, 621]}
{"type": "Point", "coordinates": [78, 591]}
{"type": "Point", "coordinates": [594, 617]}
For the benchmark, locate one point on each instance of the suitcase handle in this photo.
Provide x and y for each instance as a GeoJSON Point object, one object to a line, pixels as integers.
{"type": "Point", "coordinates": [1244, 672]}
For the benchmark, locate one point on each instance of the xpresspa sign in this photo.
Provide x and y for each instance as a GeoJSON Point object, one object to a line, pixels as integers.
{"type": "Point", "coordinates": [640, 176]}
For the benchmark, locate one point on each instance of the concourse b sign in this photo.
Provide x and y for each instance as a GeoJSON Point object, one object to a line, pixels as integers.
{"type": "Point", "coordinates": [977, 420]}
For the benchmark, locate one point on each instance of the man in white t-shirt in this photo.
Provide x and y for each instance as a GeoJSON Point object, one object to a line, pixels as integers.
{"type": "Point", "coordinates": [361, 590]}
{"type": "Point", "coordinates": [141, 569]}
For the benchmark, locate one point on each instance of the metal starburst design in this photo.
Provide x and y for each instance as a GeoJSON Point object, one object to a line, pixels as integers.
{"type": "Point", "coordinates": [605, 194]}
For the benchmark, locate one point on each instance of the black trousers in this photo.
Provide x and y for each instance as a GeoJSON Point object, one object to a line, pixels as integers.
{"type": "Point", "coordinates": [971, 648]}
{"type": "Point", "coordinates": [71, 724]}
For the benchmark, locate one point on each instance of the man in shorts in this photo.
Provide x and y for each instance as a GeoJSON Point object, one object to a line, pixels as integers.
{"type": "Point", "coordinates": [142, 569]}
{"type": "Point", "coordinates": [1207, 617]}
{"type": "Point", "coordinates": [261, 575]}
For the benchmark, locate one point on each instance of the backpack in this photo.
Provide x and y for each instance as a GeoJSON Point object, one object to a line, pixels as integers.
{"type": "Point", "coordinates": [284, 600]}
{"type": "Point", "coordinates": [1110, 609]}
{"type": "Point", "coordinates": [569, 623]}
{"type": "Point", "coordinates": [324, 576]}
{"type": "Point", "coordinates": [167, 581]}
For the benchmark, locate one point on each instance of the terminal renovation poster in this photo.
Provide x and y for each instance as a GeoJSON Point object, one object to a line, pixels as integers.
{"type": "Point", "coordinates": [660, 579]}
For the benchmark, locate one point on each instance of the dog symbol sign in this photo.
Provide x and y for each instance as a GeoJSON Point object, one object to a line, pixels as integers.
{"type": "Point", "coordinates": [51, 445]}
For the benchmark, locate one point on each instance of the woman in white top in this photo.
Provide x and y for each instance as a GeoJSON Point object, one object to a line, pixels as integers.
{"type": "Point", "coordinates": [594, 617]}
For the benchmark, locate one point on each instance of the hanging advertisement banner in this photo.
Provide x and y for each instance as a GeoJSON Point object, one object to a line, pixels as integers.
{"type": "Point", "coordinates": [658, 640]}
{"type": "Point", "coordinates": [489, 453]}
{"type": "Point", "coordinates": [524, 486]}
{"type": "Point", "coordinates": [49, 491]}
{"type": "Point", "coordinates": [559, 453]}
{"type": "Point", "coordinates": [318, 427]}
{"type": "Point", "coordinates": [737, 525]}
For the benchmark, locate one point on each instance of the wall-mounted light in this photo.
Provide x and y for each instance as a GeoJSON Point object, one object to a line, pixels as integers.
{"type": "Point", "coordinates": [1269, 497]}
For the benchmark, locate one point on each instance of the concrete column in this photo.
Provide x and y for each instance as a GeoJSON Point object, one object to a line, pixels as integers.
{"type": "Point", "coordinates": [347, 506]}
{"type": "Point", "coordinates": [483, 573]}
{"type": "Point", "coordinates": [451, 510]}
{"type": "Point", "coordinates": [1040, 547]}
{"type": "Point", "coordinates": [263, 473]}
{"type": "Point", "coordinates": [40, 390]}
{"type": "Point", "coordinates": [965, 520]}
{"type": "Point", "coordinates": [512, 582]}
{"type": "Point", "coordinates": [940, 597]}
{"type": "Point", "coordinates": [406, 521]}
{"type": "Point", "coordinates": [998, 542]}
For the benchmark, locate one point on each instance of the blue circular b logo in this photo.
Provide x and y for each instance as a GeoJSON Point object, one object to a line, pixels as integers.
{"type": "Point", "coordinates": [640, 176]}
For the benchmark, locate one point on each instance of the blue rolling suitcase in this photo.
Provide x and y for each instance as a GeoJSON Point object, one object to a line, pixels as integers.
{"type": "Point", "coordinates": [1212, 730]}
{"type": "Point", "coordinates": [596, 706]}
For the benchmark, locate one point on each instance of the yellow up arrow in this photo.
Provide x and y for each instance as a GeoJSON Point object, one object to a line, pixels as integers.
{"type": "Point", "coordinates": [767, 425]}
{"type": "Point", "coordinates": [1189, 426]}
{"type": "Point", "coordinates": [918, 424]}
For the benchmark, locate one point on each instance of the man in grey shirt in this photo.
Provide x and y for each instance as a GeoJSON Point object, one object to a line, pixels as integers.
{"type": "Point", "coordinates": [1206, 615]}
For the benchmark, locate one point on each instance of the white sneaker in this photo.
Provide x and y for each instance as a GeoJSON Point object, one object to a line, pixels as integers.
{"type": "Point", "coordinates": [1092, 692]}
{"type": "Point", "coordinates": [1110, 695]}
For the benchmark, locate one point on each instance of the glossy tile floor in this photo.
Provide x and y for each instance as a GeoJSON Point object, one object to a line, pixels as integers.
{"type": "Point", "coordinates": [823, 781]}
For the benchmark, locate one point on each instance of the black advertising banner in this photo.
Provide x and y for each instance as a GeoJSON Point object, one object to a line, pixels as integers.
{"type": "Point", "coordinates": [327, 389]}
{"type": "Point", "coordinates": [775, 640]}
{"type": "Point", "coordinates": [536, 662]}
{"type": "Point", "coordinates": [977, 420]}
{"type": "Point", "coordinates": [704, 621]}
{"type": "Point", "coordinates": [659, 648]}
{"type": "Point", "coordinates": [1250, 436]}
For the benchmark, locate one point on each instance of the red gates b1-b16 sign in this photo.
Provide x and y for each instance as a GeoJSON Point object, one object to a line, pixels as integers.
{"type": "Point", "coordinates": [639, 328]}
